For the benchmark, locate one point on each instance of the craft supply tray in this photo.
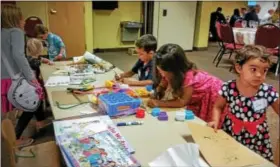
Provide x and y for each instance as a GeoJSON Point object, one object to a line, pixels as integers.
{"type": "Point", "coordinates": [117, 104]}
{"type": "Point", "coordinates": [79, 73]}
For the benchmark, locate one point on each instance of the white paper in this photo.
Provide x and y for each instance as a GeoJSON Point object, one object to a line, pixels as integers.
{"type": "Point", "coordinates": [77, 59]}
{"type": "Point", "coordinates": [180, 155]}
{"type": "Point", "coordinates": [58, 81]}
{"type": "Point", "coordinates": [92, 58]}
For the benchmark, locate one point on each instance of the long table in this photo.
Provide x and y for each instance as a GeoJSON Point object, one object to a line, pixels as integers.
{"type": "Point", "coordinates": [149, 140]}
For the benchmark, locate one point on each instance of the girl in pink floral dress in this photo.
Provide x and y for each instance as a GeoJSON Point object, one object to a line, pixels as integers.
{"type": "Point", "coordinates": [178, 83]}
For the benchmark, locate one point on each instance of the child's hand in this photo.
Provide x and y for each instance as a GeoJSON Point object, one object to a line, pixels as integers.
{"type": "Point", "coordinates": [44, 60]}
{"type": "Point", "coordinates": [51, 63]}
{"type": "Point", "coordinates": [126, 81]}
{"type": "Point", "coordinates": [213, 124]}
{"type": "Point", "coordinates": [152, 103]}
{"type": "Point", "coordinates": [58, 57]}
{"type": "Point", "coordinates": [118, 77]}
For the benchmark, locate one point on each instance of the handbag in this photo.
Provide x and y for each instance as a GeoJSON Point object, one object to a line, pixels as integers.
{"type": "Point", "coordinates": [22, 94]}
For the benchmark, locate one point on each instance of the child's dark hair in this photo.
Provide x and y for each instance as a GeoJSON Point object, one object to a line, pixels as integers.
{"type": "Point", "coordinates": [249, 52]}
{"type": "Point", "coordinates": [172, 58]}
{"type": "Point", "coordinates": [40, 29]}
{"type": "Point", "coordinates": [148, 42]}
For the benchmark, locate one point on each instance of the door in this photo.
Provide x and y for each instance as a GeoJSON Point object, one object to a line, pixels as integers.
{"type": "Point", "coordinates": [66, 19]}
{"type": "Point", "coordinates": [174, 23]}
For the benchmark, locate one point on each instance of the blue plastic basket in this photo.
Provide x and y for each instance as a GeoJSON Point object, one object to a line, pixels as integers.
{"type": "Point", "coordinates": [117, 104]}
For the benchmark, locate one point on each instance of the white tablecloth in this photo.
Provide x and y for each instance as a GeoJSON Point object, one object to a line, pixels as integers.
{"type": "Point", "coordinates": [244, 35]}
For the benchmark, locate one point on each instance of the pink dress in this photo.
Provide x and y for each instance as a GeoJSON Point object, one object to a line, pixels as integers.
{"type": "Point", "coordinates": [205, 92]}
{"type": "Point", "coordinates": [5, 104]}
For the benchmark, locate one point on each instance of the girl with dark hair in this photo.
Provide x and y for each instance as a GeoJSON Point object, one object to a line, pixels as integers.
{"type": "Point", "coordinates": [178, 83]}
{"type": "Point", "coordinates": [236, 16]}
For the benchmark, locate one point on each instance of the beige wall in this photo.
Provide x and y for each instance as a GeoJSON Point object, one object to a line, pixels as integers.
{"type": "Point", "coordinates": [38, 9]}
{"type": "Point", "coordinates": [106, 24]}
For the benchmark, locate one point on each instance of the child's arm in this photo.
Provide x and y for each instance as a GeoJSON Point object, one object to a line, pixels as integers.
{"type": "Point", "coordinates": [60, 43]}
{"type": "Point", "coordinates": [177, 103]}
{"type": "Point", "coordinates": [137, 83]}
{"type": "Point", "coordinates": [275, 106]}
{"type": "Point", "coordinates": [127, 74]}
{"type": "Point", "coordinates": [217, 110]}
{"type": "Point", "coordinates": [17, 48]}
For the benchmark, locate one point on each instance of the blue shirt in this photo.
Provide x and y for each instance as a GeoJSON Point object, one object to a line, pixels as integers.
{"type": "Point", "coordinates": [55, 43]}
{"type": "Point", "coordinates": [144, 71]}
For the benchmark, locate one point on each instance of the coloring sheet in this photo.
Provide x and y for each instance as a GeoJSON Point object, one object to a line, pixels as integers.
{"type": "Point", "coordinates": [84, 127]}
{"type": "Point", "coordinates": [220, 149]}
{"type": "Point", "coordinates": [58, 81]}
{"type": "Point", "coordinates": [100, 149]}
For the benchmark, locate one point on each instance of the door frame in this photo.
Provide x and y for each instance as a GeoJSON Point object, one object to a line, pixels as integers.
{"type": "Point", "coordinates": [147, 17]}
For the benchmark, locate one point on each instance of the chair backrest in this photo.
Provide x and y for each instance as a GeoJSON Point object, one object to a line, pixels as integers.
{"type": "Point", "coordinates": [9, 136]}
{"type": "Point", "coordinates": [268, 35]}
{"type": "Point", "coordinates": [227, 34]}
{"type": "Point", "coordinates": [30, 24]}
{"type": "Point", "coordinates": [238, 23]}
{"type": "Point", "coordinates": [218, 28]}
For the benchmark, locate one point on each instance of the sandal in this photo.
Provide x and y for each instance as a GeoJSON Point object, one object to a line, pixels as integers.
{"type": "Point", "coordinates": [24, 142]}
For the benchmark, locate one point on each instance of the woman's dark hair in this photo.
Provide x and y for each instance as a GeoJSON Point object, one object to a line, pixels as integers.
{"type": "Point", "coordinates": [171, 58]}
{"type": "Point", "coordinates": [236, 12]}
{"type": "Point", "coordinates": [219, 9]}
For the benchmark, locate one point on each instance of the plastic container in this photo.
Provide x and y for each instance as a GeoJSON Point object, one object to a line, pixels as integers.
{"type": "Point", "coordinates": [80, 73]}
{"type": "Point", "coordinates": [117, 104]}
{"type": "Point", "coordinates": [162, 116]}
{"type": "Point", "coordinates": [155, 112]}
{"type": "Point", "coordinates": [189, 115]}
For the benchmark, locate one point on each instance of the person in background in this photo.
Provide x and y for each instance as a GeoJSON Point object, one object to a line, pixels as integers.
{"type": "Point", "coordinates": [248, 98]}
{"type": "Point", "coordinates": [56, 47]}
{"type": "Point", "coordinates": [12, 37]}
{"type": "Point", "coordinates": [178, 83]}
{"type": "Point", "coordinates": [258, 8]}
{"type": "Point", "coordinates": [251, 15]}
{"type": "Point", "coordinates": [234, 17]}
{"type": "Point", "coordinates": [146, 47]}
{"type": "Point", "coordinates": [243, 12]}
{"type": "Point", "coordinates": [276, 16]}
{"type": "Point", "coordinates": [267, 18]}
{"type": "Point", "coordinates": [34, 49]}
{"type": "Point", "coordinates": [216, 16]}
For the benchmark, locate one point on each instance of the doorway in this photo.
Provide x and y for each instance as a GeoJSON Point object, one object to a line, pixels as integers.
{"type": "Point", "coordinates": [66, 19]}
{"type": "Point", "coordinates": [148, 17]}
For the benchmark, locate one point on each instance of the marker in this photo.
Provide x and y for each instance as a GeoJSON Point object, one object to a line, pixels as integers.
{"type": "Point", "coordinates": [130, 123]}
{"type": "Point", "coordinates": [116, 74]}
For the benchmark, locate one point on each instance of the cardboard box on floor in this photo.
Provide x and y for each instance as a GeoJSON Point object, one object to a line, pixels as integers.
{"type": "Point", "coordinates": [220, 149]}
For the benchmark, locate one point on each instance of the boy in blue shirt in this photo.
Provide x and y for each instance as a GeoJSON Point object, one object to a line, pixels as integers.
{"type": "Point", "coordinates": [56, 47]}
{"type": "Point", "coordinates": [146, 47]}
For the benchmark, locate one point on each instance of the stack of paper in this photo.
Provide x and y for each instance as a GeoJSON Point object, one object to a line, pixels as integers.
{"type": "Point", "coordinates": [180, 155]}
{"type": "Point", "coordinates": [58, 81]}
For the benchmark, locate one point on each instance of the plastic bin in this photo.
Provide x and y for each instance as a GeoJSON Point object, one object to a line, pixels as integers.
{"type": "Point", "coordinates": [117, 104]}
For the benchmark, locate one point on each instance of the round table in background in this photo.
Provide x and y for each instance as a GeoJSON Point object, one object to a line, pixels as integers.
{"type": "Point", "coordinates": [244, 35]}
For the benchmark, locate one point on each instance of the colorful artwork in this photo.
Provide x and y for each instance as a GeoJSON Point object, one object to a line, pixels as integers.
{"type": "Point", "coordinates": [92, 142]}
{"type": "Point", "coordinates": [99, 150]}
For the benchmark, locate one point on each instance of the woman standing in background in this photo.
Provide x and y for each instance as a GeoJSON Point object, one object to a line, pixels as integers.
{"type": "Point", "coordinates": [13, 47]}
